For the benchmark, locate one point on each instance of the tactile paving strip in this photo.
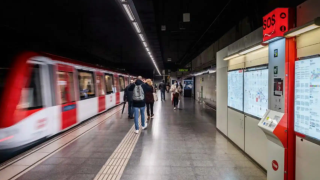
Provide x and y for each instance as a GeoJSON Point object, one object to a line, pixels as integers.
{"type": "Point", "coordinates": [115, 165]}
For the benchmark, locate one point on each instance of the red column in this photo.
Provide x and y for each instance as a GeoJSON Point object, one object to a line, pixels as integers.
{"type": "Point", "coordinates": [291, 56]}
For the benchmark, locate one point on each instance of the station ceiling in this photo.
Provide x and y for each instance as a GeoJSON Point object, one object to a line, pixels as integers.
{"type": "Point", "coordinates": [99, 31]}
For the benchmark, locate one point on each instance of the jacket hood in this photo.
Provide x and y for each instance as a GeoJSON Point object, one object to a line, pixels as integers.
{"type": "Point", "coordinates": [138, 82]}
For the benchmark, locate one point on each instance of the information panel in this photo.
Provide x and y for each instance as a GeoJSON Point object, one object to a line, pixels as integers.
{"type": "Point", "coordinates": [235, 89]}
{"type": "Point", "coordinates": [256, 91]}
{"type": "Point", "coordinates": [307, 97]}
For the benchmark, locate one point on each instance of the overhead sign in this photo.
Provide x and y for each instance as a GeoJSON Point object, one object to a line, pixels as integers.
{"type": "Point", "coordinates": [183, 70]}
{"type": "Point", "coordinates": [275, 24]}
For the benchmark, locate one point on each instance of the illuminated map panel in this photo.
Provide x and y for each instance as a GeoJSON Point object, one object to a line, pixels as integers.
{"type": "Point", "coordinates": [307, 97]}
{"type": "Point", "coordinates": [256, 91]}
{"type": "Point", "coordinates": [235, 89]}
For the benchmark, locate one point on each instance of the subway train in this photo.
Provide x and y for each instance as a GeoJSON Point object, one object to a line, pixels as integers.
{"type": "Point", "coordinates": [43, 95]}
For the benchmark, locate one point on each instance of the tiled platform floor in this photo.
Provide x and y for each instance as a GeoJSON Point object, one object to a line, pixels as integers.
{"type": "Point", "coordinates": [184, 144]}
{"type": "Point", "coordinates": [178, 144]}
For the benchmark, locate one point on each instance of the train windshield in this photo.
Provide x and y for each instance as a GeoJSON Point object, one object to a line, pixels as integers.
{"type": "Point", "coordinates": [3, 76]}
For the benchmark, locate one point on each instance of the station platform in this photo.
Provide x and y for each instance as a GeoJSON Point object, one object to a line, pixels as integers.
{"type": "Point", "coordinates": [178, 144]}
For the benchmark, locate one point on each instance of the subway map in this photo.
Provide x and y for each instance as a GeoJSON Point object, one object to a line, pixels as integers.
{"type": "Point", "coordinates": [256, 92]}
{"type": "Point", "coordinates": [235, 89]}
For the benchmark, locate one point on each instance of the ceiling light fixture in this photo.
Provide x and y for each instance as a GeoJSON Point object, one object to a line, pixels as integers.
{"type": "Point", "coordinates": [145, 44]}
{"type": "Point", "coordinates": [141, 37]}
{"type": "Point", "coordinates": [138, 30]}
{"type": "Point", "coordinates": [231, 57]}
{"type": "Point", "coordinates": [298, 31]}
{"type": "Point", "coordinates": [136, 26]}
{"type": "Point", "coordinates": [251, 49]}
{"type": "Point", "coordinates": [128, 11]}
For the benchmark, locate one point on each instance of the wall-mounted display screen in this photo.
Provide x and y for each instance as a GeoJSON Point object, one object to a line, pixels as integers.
{"type": "Point", "coordinates": [307, 97]}
{"type": "Point", "coordinates": [256, 91]}
{"type": "Point", "coordinates": [235, 89]}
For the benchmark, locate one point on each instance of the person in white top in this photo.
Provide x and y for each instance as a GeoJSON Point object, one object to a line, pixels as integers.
{"type": "Point", "coordinates": [175, 94]}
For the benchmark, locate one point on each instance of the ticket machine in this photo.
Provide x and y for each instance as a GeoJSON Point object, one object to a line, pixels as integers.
{"type": "Point", "coordinates": [272, 125]}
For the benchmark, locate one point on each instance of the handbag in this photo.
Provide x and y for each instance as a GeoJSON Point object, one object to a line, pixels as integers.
{"type": "Point", "coordinates": [155, 96]}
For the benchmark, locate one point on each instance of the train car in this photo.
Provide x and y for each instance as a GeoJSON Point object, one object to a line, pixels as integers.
{"type": "Point", "coordinates": [43, 94]}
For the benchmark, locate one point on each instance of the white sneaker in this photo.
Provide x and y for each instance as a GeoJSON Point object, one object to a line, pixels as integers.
{"type": "Point", "coordinates": [174, 108]}
{"type": "Point", "coordinates": [145, 126]}
{"type": "Point", "coordinates": [137, 131]}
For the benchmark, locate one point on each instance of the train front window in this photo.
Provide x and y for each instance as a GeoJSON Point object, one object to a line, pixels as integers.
{"type": "Point", "coordinates": [31, 95]}
{"type": "Point", "coordinates": [86, 85]}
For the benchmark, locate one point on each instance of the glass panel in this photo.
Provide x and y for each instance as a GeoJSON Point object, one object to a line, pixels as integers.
{"type": "Point", "coordinates": [101, 86]}
{"type": "Point", "coordinates": [71, 87]}
{"type": "Point", "coordinates": [31, 95]}
{"type": "Point", "coordinates": [121, 83]}
{"type": "Point", "coordinates": [109, 83]}
{"type": "Point", "coordinates": [86, 85]}
{"type": "Point", "coordinates": [62, 83]}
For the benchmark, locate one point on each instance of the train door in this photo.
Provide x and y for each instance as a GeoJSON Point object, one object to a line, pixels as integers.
{"type": "Point", "coordinates": [110, 97]}
{"type": "Point", "coordinates": [65, 76]}
{"type": "Point", "coordinates": [101, 87]}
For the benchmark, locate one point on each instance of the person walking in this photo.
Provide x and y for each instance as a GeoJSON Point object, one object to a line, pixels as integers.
{"type": "Point", "coordinates": [138, 89]}
{"type": "Point", "coordinates": [162, 88]}
{"type": "Point", "coordinates": [128, 97]}
{"type": "Point", "coordinates": [175, 93]}
{"type": "Point", "coordinates": [150, 99]}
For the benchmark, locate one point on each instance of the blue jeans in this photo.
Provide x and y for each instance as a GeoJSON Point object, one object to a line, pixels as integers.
{"type": "Point", "coordinates": [130, 109]}
{"type": "Point", "coordinates": [136, 116]}
{"type": "Point", "coordinates": [163, 95]}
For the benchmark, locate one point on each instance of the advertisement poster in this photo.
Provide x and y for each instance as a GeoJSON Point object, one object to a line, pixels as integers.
{"type": "Point", "coordinates": [278, 87]}
{"type": "Point", "coordinates": [188, 84]}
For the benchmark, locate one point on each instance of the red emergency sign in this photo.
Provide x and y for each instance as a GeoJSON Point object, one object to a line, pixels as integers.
{"type": "Point", "coordinates": [275, 24]}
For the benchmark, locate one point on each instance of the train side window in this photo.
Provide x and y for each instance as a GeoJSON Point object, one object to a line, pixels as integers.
{"type": "Point", "coordinates": [86, 84]}
{"type": "Point", "coordinates": [109, 83]}
{"type": "Point", "coordinates": [121, 82]}
{"type": "Point", "coordinates": [31, 94]}
{"type": "Point", "coordinates": [101, 85]}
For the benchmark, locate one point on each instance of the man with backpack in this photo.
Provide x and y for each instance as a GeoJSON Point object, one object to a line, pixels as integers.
{"type": "Point", "coordinates": [138, 89]}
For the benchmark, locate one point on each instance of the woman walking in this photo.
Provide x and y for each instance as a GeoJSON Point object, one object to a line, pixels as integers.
{"type": "Point", "coordinates": [150, 99]}
{"type": "Point", "coordinates": [175, 92]}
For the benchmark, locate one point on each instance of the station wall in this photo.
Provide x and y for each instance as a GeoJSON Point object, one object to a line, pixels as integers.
{"type": "Point", "coordinates": [207, 83]}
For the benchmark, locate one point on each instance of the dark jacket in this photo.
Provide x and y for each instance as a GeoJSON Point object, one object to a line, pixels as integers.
{"type": "Point", "coordinates": [145, 88]}
{"type": "Point", "coordinates": [162, 86]}
{"type": "Point", "coordinates": [149, 95]}
{"type": "Point", "coordinates": [127, 94]}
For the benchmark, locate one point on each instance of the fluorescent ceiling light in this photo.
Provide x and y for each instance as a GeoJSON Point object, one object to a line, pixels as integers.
{"type": "Point", "coordinates": [141, 37]}
{"type": "Point", "coordinates": [251, 49]}
{"type": "Point", "coordinates": [136, 26]}
{"type": "Point", "coordinates": [149, 53]}
{"type": "Point", "coordinates": [128, 11]}
{"type": "Point", "coordinates": [302, 30]}
{"type": "Point", "coordinates": [145, 44]}
{"type": "Point", "coordinates": [147, 49]}
{"type": "Point", "coordinates": [230, 57]}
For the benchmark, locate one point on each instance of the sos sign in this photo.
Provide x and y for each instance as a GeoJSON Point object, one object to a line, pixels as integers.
{"type": "Point", "coordinates": [275, 24]}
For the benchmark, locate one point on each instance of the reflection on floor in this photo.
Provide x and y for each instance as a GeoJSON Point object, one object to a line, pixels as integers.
{"type": "Point", "coordinates": [178, 144]}
{"type": "Point", "coordinates": [184, 144]}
